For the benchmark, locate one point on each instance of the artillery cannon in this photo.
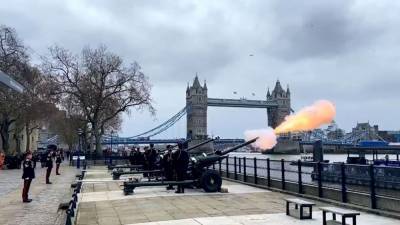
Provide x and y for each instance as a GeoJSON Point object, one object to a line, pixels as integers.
{"type": "Point", "coordinates": [136, 169]}
{"type": "Point", "coordinates": [198, 174]}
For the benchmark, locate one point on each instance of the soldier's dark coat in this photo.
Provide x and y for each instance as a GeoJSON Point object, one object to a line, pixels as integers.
{"type": "Point", "coordinates": [28, 170]}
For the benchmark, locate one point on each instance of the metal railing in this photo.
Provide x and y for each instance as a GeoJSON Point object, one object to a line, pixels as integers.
{"type": "Point", "coordinates": [72, 207]}
{"type": "Point", "coordinates": [377, 187]}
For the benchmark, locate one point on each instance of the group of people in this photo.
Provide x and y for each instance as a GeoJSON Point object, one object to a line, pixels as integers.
{"type": "Point", "coordinates": [173, 163]}
{"type": "Point", "coordinates": [28, 166]}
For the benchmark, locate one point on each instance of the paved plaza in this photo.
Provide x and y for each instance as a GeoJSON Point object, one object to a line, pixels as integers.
{"type": "Point", "coordinates": [103, 203]}
{"type": "Point", "coordinates": [43, 210]}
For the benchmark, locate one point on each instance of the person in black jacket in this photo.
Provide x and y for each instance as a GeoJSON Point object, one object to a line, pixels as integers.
{"type": "Point", "coordinates": [28, 175]}
{"type": "Point", "coordinates": [49, 165]}
{"type": "Point", "coordinates": [58, 162]}
{"type": "Point", "coordinates": [167, 164]}
{"type": "Point", "coordinates": [181, 163]}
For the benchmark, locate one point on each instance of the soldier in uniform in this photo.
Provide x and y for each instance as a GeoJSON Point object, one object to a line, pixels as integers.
{"type": "Point", "coordinates": [58, 162]}
{"type": "Point", "coordinates": [28, 175]}
{"type": "Point", "coordinates": [181, 163]}
{"type": "Point", "coordinates": [152, 157]}
{"type": "Point", "coordinates": [167, 162]}
{"type": "Point", "coordinates": [49, 162]}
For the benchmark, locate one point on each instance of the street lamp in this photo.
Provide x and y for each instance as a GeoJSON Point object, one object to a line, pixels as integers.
{"type": "Point", "coordinates": [111, 145]}
{"type": "Point", "coordinates": [78, 161]}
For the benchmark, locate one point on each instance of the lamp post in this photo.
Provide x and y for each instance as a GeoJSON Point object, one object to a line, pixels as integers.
{"type": "Point", "coordinates": [78, 161]}
{"type": "Point", "coordinates": [111, 144]}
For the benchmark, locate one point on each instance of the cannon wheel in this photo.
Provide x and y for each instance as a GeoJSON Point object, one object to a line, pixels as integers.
{"type": "Point", "coordinates": [211, 181]}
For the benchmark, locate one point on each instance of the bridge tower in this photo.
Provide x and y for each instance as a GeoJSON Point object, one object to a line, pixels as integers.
{"type": "Point", "coordinates": [276, 115]}
{"type": "Point", "coordinates": [196, 106]}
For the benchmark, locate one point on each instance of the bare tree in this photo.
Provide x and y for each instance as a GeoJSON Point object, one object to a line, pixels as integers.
{"type": "Point", "coordinates": [13, 58]}
{"type": "Point", "coordinates": [99, 85]}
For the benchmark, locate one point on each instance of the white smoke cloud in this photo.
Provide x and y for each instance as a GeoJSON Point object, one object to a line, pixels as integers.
{"type": "Point", "coordinates": [267, 138]}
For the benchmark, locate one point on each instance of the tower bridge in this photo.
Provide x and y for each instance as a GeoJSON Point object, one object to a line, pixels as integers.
{"type": "Point", "coordinates": [276, 103]}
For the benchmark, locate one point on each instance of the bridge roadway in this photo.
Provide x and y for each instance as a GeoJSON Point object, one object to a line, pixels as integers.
{"type": "Point", "coordinates": [244, 103]}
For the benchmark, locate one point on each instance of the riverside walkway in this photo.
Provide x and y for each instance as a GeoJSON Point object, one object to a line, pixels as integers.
{"type": "Point", "coordinates": [102, 203]}
{"type": "Point", "coordinates": [43, 210]}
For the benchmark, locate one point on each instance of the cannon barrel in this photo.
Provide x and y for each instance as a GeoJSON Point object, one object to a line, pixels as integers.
{"type": "Point", "coordinates": [238, 146]}
{"type": "Point", "coordinates": [205, 161]}
{"type": "Point", "coordinates": [200, 144]}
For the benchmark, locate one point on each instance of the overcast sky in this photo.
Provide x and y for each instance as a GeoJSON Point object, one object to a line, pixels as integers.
{"type": "Point", "coordinates": [344, 51]}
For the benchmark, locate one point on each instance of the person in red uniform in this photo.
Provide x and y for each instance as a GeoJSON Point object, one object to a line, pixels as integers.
{"type": "Point", "coordinates": [28, 175]}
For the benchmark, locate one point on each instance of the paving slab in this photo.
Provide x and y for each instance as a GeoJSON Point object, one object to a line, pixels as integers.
{"type": "Point", "coordinates": [43, 210]}
{"type": "Point", "coordinates": [262, 219]}
{"type": "Point", "coordinates": [103, 200]}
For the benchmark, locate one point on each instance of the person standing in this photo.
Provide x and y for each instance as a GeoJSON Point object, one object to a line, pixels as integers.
{"type": "Point", "coordinates": [28, 175]}
{"type": "Point", "coordinates": [168, 166]}
{"type": "Point", "coordinates": [181, 163]}
{"type": "Point", "coordinates": [58, 162]}
{"type": "Point", "coordinates": [49, 165]}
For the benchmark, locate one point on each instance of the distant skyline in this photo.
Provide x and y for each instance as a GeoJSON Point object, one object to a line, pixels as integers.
{"type": "Point", "coordinates": [344, 51]}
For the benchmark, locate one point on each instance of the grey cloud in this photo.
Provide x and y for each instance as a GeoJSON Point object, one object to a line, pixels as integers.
{"type": "Point", "coordinates": [345, 51]}
{"type": "Point", "coordinates": [312, 29]}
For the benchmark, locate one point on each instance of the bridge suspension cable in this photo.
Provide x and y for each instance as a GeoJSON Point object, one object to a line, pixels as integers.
{"type": "Point", "coordinates": [160, 128]}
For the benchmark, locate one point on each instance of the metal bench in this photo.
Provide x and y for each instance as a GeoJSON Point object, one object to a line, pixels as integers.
{"type": "Point", "coordinates": [338, 211]}
{"type": "Point", "coordinates": [298, 210]}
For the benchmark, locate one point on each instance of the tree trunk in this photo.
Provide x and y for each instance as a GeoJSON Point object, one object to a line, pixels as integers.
{"type": "Point", "coordinates": [5, 134]}
{"type": "Point", "coordinates": [98, 143]}
{"type": "Point", "coordinates": [96, 134]}
{"type": "Point", "coordinates": [28, 137]}
{"type": "Point", "coordinates": [17, 143]}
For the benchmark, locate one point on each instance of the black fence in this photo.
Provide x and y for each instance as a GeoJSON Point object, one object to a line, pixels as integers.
{"type": "Point", "coordinates": [377, 187]}
{"type": "Point", "coordinates": [73, 203]}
